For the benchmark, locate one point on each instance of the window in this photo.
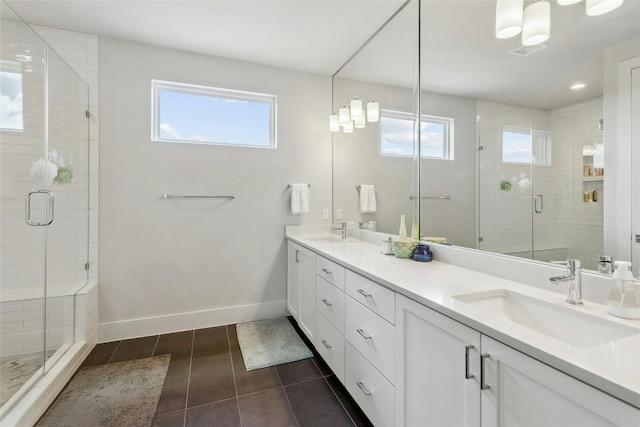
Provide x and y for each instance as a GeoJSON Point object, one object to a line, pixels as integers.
{"type": "Point", "coordinates": [207, 115]}
{"type": "Point", "coordinates": [397, 134]}
{"type": "Point", "coordinates": [519, 147]}
{"type": "Point", "coordinates": [11, 117]}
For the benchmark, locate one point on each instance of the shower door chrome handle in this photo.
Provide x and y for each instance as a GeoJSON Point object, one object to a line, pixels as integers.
{"type": "Point", "coordinates": [48, 209]}
{"type": "Point", "coordinates": [535, 203]}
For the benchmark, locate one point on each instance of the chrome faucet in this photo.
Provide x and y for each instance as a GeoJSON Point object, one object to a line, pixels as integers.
{"type": "Point", "coordinates": [574, 281]}
{"type": "Point", "coordinates": [343, 229]}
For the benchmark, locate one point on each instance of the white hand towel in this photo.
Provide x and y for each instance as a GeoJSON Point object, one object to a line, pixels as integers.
{"type": "Point", "coordinates": [299, 198]}
{"type": "Point", "coordinates": [368, 198]}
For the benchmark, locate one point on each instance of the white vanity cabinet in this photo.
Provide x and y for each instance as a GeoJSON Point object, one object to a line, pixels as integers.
{"type": "Point", "coordinates": [301, 287]}
{"type": "Point", "coordinates": [437, 368]}
{"type": "Point", "coordinates": [369, 347]}
{"type": "Point", "coordinates": [450, 374]}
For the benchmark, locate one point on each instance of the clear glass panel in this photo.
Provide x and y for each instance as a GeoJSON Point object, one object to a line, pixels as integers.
{"type": "Point", "coordinates": [67, 236]}
{"type": "Point", "coordinates": [22, 169]}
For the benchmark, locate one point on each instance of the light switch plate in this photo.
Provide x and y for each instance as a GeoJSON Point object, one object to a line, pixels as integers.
{"type": "Point", "coordinates": [338, 213]}
{"type": "Point", "coordinates": [325, 214]}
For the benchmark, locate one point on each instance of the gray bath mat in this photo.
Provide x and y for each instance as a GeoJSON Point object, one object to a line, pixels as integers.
{"type": "Point", "coordinates": [270, 342]}
{"type": "Point", "coordinates": [116, 394]}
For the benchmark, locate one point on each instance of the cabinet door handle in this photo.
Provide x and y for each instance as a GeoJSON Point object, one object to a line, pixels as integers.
{"type": "Point", "coordinates": [483, 384]}
{"type": "Point", "coordinates": [297, 260]}
{"type": "Point", "coordinates": [328, 303]}
{"type": "Point", "coordinates": [365, 335]}
{"type": "Point", "coordinates": [467, 375]}
{"type": "Point", "coordinates": [364, 293]}
{"type": "Point", "coordinates": [327, 271]}
{"type": "Point", "coordinates": [363, 388]}
{"type": "Point", "coordinates": [535, 201]}
{"type": "Point", "coordinates": [326, 344]}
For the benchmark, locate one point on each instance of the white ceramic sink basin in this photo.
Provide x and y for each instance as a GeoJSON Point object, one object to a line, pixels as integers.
{"type": "Point", "coordinates": [328, 239]}
{"type": "Point", "coordinates": [564, 324]}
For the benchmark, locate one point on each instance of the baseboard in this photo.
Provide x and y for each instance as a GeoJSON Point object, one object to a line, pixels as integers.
{"type": "Point", "coordinates": [134, 328]}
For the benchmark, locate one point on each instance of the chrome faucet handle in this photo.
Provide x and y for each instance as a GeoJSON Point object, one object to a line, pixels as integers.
{"type": "Point", "coordinates": [574, 277]}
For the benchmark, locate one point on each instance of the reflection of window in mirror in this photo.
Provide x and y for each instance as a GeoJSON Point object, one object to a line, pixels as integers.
{"type": "Point", "coordinates": [519, 147]}
{"type": "Point", "coordinates": [11, 96]}
{"type": "Point", "coordinates": [397, 134]}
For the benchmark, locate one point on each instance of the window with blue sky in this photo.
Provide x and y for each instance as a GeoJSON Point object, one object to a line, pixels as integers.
{"type": "Point", "coordinates": [11, 116]}
{"type": "Point", "coordinates": [520, 146]}
{"type": "Point", "coordinates": [397, 135]}
{"type": "Point", "coordinates": [207, 115]}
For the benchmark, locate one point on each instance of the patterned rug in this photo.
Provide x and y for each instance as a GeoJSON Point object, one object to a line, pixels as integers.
{"type": "Point", "coordinates": [270, 342]}
{"type": "Point", "coordinates": [116, 394]}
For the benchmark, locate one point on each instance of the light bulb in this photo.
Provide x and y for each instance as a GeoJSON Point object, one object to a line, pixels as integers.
{"type": "Point", "coordinates": [600, 7]}
{"type": "Point", "coordinates": [536, 23]}
{"type": "Point", "coordinates": [508, 18]}
{"type": "Point", "coordinates": [373, 111]}
{"type": "Point", "coordinates": [356, 109]}
{"type": "Point", "coordinates": [334, 123]}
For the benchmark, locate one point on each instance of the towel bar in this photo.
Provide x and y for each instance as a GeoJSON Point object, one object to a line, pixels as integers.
{"type": "Point", "coordinates": [289, 186]}
{"type": "Point", "coordinates": [441, 196]}
{"type": "Point", "coordinates": [179, 196]}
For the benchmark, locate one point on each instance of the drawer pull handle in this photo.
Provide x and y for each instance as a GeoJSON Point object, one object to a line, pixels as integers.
{"type": "Point", "coordinates": [327, 271]}
{"type": "Point", "coordinates": [365, 335]}
{"type": "Point", "coordinates": [364, 293]}
{"type": "Point", "coordinates": [326, 344]}
{"type": "Point", "coordinates": [483, 384]}
{"type": "Point", "coordinates": [467, 375]}
{"type": "Point", "coordinates": [324, 300]}
{"type": "Point", "coordinates": [363, 388]}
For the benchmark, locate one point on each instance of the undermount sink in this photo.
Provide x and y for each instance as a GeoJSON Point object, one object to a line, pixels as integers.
{"type": "Point", "coordinates": [328, 239]}
{"type": "Point", "coordinates": [569, 326]}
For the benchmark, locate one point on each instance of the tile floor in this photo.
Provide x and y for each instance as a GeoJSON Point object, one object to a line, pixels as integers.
{"type": "Point", "coordinates": [207, 384]}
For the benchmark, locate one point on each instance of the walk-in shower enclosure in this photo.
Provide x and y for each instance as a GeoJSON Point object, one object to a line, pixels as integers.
{"type": "Point", "coordinates": [44, 196]}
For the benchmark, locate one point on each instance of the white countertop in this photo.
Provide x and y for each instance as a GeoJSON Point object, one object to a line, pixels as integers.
{"type": "Point", "coordinates": [613, 367]}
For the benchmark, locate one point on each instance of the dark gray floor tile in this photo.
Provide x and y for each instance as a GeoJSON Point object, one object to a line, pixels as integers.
{"type": "Point", "coordinates": [178, 345]}
{"type": "Point", "coordinates": [248, 382]}
{"type": "Point", "coordinates": [267, 408]}
{"type": "Point", "coordinates": [322, 365]}
{"type": "Point", "coordinates": [211, 380]}
{"type": "Point", "coordinates": [174, 391]}
{"type": "Point", "coordinates": [219, 414]}
{"type": "Point", "coordinates": [233, 338]}
{"type": "Point", "coordinates": [295, 372]}
{"type": "Point", "coordinates": [314, 404]}
{"type": "Point", "coordinates": [356, 414]}
{"type": "Point", "coordinates": [210, 341]}
{"type": "Point", "coordinates": [172, 419]}
{"type": "Point", "coordinates": [136, 348]}
{"type": "Point", "coordinates": [101, 354]}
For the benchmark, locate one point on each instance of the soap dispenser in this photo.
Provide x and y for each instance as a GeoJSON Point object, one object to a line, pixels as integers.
{"type": "Point", "coordinates": [624, 297]}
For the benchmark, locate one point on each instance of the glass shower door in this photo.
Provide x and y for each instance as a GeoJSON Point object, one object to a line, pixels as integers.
{"type": "Point", "coordinates": [23, 170]}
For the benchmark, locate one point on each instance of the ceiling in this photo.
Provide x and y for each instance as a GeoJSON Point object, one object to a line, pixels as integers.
{"type": "Point", "coordinates": [315, 36]}
{"type": "Point", "coordinates": [460, 54]}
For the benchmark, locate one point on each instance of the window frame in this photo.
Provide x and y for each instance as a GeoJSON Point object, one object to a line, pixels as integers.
{"type": "Point", "coordinates": [14, 67]}
{"type": "Point", "coordinates": [541, 145]}
{"type": "Point", "coordinates": [158, 86]}
{"type": "Point", "coordinates": [448, 137]}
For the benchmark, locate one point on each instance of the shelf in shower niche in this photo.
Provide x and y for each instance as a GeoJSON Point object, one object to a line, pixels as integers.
{"type": "Point", "coordinates": [593, 178]}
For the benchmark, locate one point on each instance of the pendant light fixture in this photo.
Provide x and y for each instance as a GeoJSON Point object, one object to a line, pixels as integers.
{"type": "Point", "coordinates": [536, 23]}
{"type": "Point", "coordinates": [373, 111]}
{"type": "Point", "coordinates": [568, 2]}
{"type": "Point", "coordinates": [600, 7]}
{"type": "Point", "coordinates": [508, 18]}
{"type": "Point", "coordinates": [343, 116]}
{"type": "Point", "coordinates": [334, 123]}
{"type": "Point", "coordinates": [356, 109]}
{"type": "Point", "coordinates": [348, 128]}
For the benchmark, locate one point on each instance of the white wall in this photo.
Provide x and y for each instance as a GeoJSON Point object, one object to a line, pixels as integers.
{"type": "Point", "coordinates": [169, 265]}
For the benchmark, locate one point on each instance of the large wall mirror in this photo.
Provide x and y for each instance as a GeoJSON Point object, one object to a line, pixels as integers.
{"type": "Point", "coordinates": [511, 159]}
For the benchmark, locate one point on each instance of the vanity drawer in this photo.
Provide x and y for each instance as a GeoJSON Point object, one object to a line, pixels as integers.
{"type": "Point", "coordinates": [370, 390]}
{"type": "Point", "coordinates": [330, 271]}
{"type": "Point", "coordinates": [330, 303]}
{"type": "Point", "coordinates": [330, 345]}
{"type": "Point", "coordinates": [376, 297]}
{"type": "Point", "coordinates": [372, 336]}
